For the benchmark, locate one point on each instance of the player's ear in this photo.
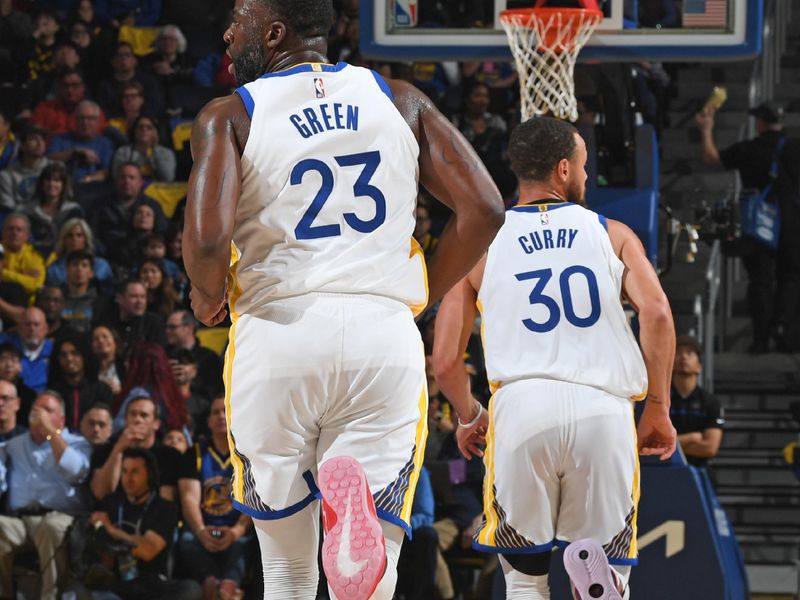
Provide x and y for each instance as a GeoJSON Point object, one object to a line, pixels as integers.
{"type": "Point", "coordinates": [562, 170]}
{"type": "Point", "coordinates": [275, 34]}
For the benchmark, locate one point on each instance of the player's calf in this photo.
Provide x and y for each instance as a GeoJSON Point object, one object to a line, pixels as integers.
{"type": "Point", "coordinates": [354, 551]}
{"type": "Point", "coordinates": [591, 576]}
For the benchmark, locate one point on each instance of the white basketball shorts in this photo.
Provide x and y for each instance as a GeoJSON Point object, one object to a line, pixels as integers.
{"type": "Point", "coordinates": [561, 465]}
{"type": "Point", "coordinates": [323, 375]}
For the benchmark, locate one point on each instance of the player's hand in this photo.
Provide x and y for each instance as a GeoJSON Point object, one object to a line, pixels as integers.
{"type": "Point", "coordinates": [208, 311]}
{"type": "Point", "coordinates": [470, 439]}
{"type": "Point", "coordinates": [657, 436]}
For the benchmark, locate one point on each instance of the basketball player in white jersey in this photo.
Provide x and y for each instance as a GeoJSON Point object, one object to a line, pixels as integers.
{"type": "Point", "coordinates": [561, 449]}
{"type": "Point", "coordinates": [299, 217]}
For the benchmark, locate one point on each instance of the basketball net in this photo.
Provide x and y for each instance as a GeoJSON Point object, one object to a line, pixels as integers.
{"type": "Point", "coordinates": [545, 43]}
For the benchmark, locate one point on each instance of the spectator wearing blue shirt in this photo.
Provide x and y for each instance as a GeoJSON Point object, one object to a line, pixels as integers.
{"type": "Point", "coordinates": [86, 152]}
{"type": "Point", "coordinates": [418, 556]}
{"type": "Point", "coordinates": [9, 407]}
{"type": "Point", "coordinates": [43, 472]}
{"type": "Point", "coordinates": [31, 340]}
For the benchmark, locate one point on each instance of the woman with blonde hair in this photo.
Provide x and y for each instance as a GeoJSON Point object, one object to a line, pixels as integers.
{"type": "Point", "coordinates": [75, 234]}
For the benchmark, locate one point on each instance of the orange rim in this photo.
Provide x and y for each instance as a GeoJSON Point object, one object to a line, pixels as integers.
{"type": "Point", "coordinates": [507, 15]}
{"type": "Point", "coordinates": [545, 14]}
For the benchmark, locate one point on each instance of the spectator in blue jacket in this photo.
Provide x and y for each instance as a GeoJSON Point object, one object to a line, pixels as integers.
{"type": "Point", "coordinates": [31, 340]}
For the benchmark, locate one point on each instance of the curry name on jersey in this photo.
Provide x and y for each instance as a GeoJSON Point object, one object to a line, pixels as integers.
{"type": "Point", "coordinates": [550, 303]}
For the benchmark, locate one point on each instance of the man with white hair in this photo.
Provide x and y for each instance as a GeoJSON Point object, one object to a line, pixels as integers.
{"type": "Point", "coordinates": [85, 150]}
{"type": "Point", "coordinates": [43, 472]}
{"type": "Point", "coordinates": [31, 340]}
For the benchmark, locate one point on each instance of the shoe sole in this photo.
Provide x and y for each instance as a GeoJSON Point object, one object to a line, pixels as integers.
{"type": "Point", "coordinates": [588, 569]}
{"type": "Point", "coordinates": [345, 493]}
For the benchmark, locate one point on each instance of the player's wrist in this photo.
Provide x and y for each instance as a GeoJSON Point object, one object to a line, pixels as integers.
{"type": "Point", "coordinates": [478, 407]}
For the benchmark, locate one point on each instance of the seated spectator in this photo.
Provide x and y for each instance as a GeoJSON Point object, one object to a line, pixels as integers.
{"type": "Point", "coordinates": [13, 299]}
{"type": "Point", "coordinates": [70, 376]}
{"type": "Point", "coordinates": [150, 369]}
{"type": "Point", "coordinates": [58, 115]}
{"type": "Point", "coordinates": [9, 407]}
{"type": "Point", "coordinates": [40, 57]}
{"type": "Point", "coordinates": [18, 182]}
{"type": "Point", "coordinates": [184, 369]}
{"type": "Point", "coordinates": [170, 63]}
{"type": "Point", "coordinates": [65, 56]}
{"type": "Point", "coordinates": [138, 516]}
{"type": "Point", "coordinates": [50, 207]}
{"type": "Point", "coordinates": [182, 333]}
{"type": "Point", "coordinates": [500, 77]}
{"type": "Point", "coordinates": [8, 143]}
{"type": "Point", "coordinates": [43, 472]}
{"type": "Point", "coordinates": [16, 29]}
{"type": "Point", "coordinates": [422, 231]}
{"type": "Point", "coordinates": [129, 12]}
{"type": "Point", "coordinates": [11, 371]}
{"type": "Point", "coordinates": [91, 40]}
{"type": "Point", "coordinates": [21, 263]}
{"type": "Point", "coordinates": [115, 220]}
{"type": "Point", "coordinates": [696, 414]}
{"type": "Point", "coordinates": [76, 235]}
{"type": "Point", "coordinates": [487, 132]}
{"type": "Point", "coordinates": [96, 424]}
{"type": "Point", "coordinates": [131, 100]}
{"type": "Point", "coordinates": [214, 545]}
{"type": "Point", "coordinates": [156, 162]}
{"type": "Point", "coordinates": [50, 300]}
{"type": "Point", "coordinates": [162, 299]}
{"type": "Point", "coordinates": [124, 69]}
{"type": "Point", "coordinates": [131, 319]}
{"type": "Point", "coordinates": [177, 439]}
{"type": "Point", "coordinates": [418, 555]}
{"type": "Point", "coordinates": [107, 358]}
{"type": "Point", "coordinates": [142, 422]}
{"type": "Point", "coordinates": [81, 301]}
{"type": "Point", "coordinates": [154, 246]}
{"type": "Point", "coordinates": [31, 340]}
{"type": "Point", "coordinates": [86, 151]}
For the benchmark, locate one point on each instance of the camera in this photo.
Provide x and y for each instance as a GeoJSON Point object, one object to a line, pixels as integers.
{"type": "Point", "coordinates": [216, 534]}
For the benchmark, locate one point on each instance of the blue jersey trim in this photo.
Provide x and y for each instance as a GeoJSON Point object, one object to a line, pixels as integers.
{"type": "Point", "coordinates": [394, 520]}
{"type": "Point", "coordinates": [306, 68]}
{"type": "Point", "coordinates": [603, 221]}
{"type": "Point", "coordinates": [541, 207]}
{"type": "Point", "coordinates": [312, 485]}
{"type": "Point", "coordinates": [249, 103]}
{"type": "Point", "coordinates": [383, 85]}
{"type": "Point", "coordinates": [624, 562]}
{"type": "Point", "coordinates": [501, 550]}
{"type": "Point", "coordinates": [274, 514]}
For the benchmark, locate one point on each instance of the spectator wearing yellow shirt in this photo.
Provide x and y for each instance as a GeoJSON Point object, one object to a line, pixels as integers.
{"type": "Point", "coordinates": [22, 265]}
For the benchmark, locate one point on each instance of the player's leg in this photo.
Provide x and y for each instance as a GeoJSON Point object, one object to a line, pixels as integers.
{"type": "Point", "coordinates": [289, 554]}
{"type": "Point", "coordinates": [521, 490]}
{"type": "Point", "coordinates": [600, 493]}
{"type": "Point", "coordinates": [379, 422]}
{"type": "Point", "coordinates": [526, 576]}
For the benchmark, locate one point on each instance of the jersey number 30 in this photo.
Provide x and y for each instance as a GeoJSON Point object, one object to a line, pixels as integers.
{"type": "Point", "coordinates": [542, 277]}
{"type": "Point", "coordinates": [306, 230]}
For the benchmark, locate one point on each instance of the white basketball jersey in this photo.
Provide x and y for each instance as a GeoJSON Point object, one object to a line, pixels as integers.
{"type": "Point", "coordinates": [550, 303]}
{"type": "Point", "coordinates": [329, 188]}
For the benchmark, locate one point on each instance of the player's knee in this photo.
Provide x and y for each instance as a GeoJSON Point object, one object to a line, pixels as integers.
{"type": "Point", "coordinates": [530, 564]}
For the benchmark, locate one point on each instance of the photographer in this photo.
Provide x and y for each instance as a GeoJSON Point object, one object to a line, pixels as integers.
{"type": "Point", "coordinates": [773, 277]}
{"type": "Point", "coordinates": [138, 516]}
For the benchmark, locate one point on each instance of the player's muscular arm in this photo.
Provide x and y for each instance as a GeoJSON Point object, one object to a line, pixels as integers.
{"type": "Point", "coordinates": [451, 171]}
{"type": "Point", "coordinates": [657, 338]}
{"type": "Point", "coordinates": [214, 187]}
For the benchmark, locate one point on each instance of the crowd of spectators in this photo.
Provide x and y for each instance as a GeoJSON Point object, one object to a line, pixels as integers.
{"type": "Point", "coordinates": [111, 408]}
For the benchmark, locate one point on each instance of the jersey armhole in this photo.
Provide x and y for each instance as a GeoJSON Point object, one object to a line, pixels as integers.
{"type": "Point", "coordinates": [247, 99]}
{"type": "Point", "coordinates": [383, 85]}
{"type": "Point", "coordinates": [603, 222]}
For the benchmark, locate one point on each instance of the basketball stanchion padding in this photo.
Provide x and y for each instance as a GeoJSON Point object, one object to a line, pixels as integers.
{"type": "Point", "coordinates": [545, 43]}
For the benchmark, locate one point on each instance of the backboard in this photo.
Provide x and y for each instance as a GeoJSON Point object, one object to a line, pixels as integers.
{"type": "Point", "coordinates": [632, 30]}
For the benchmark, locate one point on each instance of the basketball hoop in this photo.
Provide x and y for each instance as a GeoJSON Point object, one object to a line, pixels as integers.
{"type": "Point", "coordinates": [545, 43]}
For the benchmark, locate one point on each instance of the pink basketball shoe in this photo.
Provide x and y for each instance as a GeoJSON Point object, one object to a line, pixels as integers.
{"type": "Point", "coordinates": [354, 551]}
{"type": "Point", "coordinates": [588, 569]}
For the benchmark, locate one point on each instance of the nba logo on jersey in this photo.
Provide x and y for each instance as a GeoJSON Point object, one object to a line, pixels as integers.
{"type": "Point", "coordinates": [405, 13]}
{"type": "Point", "coordinates": [319, 87]}
{"type": "Point", "coordinates": [544, 218]}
